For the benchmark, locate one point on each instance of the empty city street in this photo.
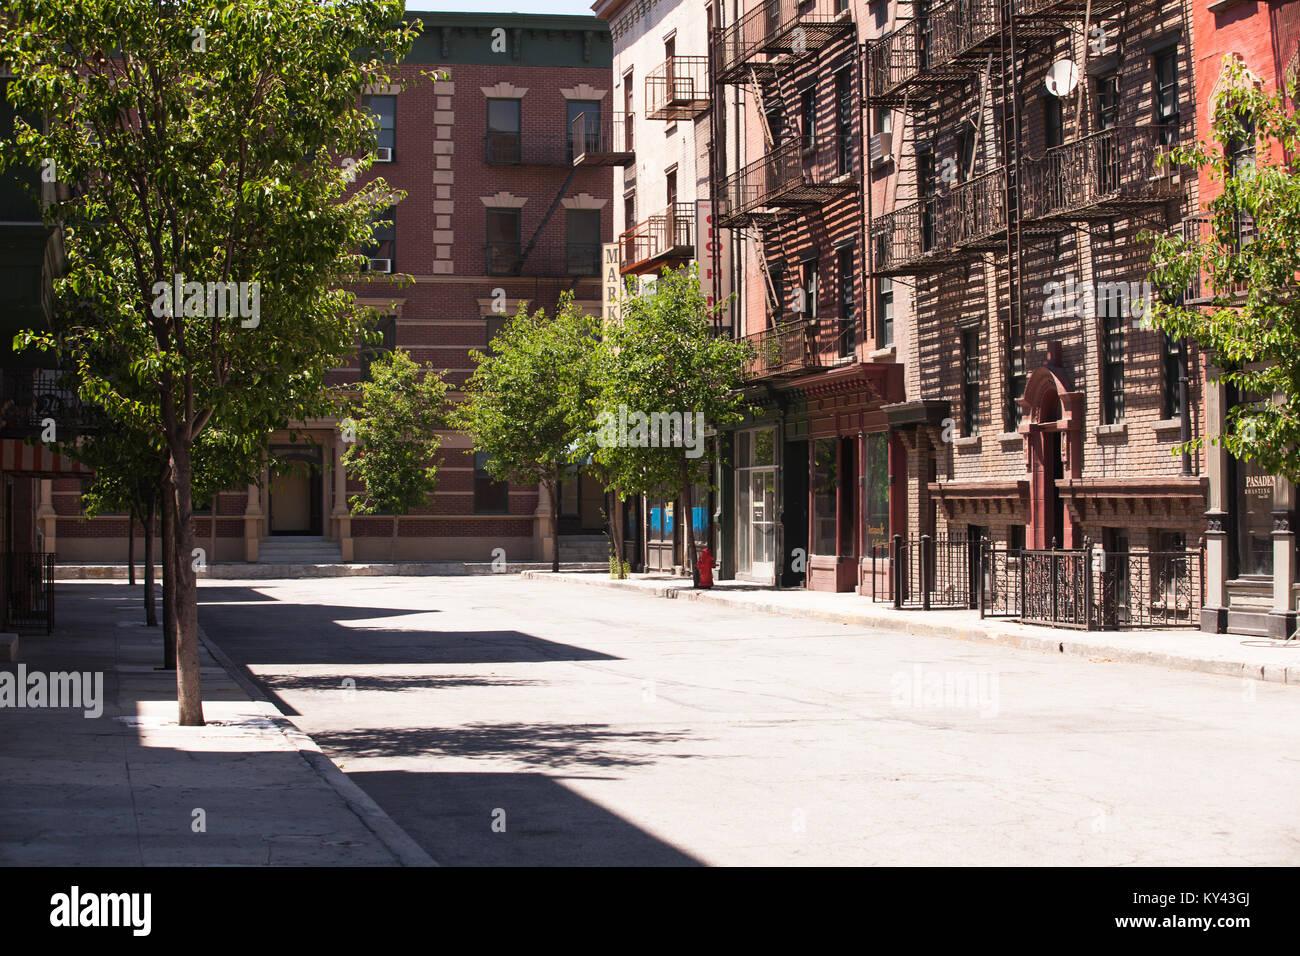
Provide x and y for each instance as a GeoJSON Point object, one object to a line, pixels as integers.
{"type": "Point", "coordinates": [503, 721]}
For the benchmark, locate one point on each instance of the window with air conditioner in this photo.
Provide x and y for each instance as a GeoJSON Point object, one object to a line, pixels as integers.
{"type": "Point", "coordinates": [383, 110]}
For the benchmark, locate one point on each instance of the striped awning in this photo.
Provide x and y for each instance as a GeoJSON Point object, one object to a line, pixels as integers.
{"type": "Point", "coordinates": [18, 457]}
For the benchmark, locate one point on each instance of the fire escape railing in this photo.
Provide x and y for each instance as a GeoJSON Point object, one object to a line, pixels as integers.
{"type": "Point", "coordinates": [1099, 175]}
{"type": "Point", "coordinates": [934, 44]}
{"type": "Point", "coordinates": [942, 227]}
{"type": "Point", "coordinates": [678, 88]}
{"type": "Point", "coordinates": [601, 139]}
{"type": "Point", "coordinates": [668, 233]}
{"type": "Point", "coordinates": [1201, 230]}
{"type": "Point", "coordinates": [29, 398]}
{"type": "Point", "coordinates": [776, 28]}
{"type": "Point", "coordinates": [787, 347]}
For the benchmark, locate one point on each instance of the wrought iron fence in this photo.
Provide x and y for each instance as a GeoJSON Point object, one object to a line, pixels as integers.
{"type": "Point", "coordinates": [925, 571]}
{"type": "Point", "coordinates": [30, 396]}
{"type": "Point", "coordinates": [1093, 589]}
{"type": "Point", "coordinates": [29, 590]}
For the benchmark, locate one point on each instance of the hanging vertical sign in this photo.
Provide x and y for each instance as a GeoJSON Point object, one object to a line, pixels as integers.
{"type": "Point", "coordinates": [708, 241]}
{"type": "Point", "coordinates": [611, 283]}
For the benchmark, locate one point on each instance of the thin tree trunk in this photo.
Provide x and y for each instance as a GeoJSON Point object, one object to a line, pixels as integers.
{"type": "Point", "coordinates": [555, 525]}
{"type": "Point", "coordinates": [130, 549]}
{"type": "Point", "coordinates": [189, 691]}
{"type": "Point", "coordinates": [170, 634]}
{"type": "Point", "coordinates": [150, 609]}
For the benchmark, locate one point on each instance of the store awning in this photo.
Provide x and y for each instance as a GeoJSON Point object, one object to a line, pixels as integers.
{"type": "Point", "coordinates": [18, 457]}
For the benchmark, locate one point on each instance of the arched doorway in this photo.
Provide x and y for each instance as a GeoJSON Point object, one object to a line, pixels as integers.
{"type": "Point", "coordinates": [1051, 428]}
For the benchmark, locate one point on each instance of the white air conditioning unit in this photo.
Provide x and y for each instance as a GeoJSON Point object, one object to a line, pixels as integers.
{"type": "Point", "coordinates": [379, 265]}
{"type": "Point", "coordinates": [881, 148]}
{"type": "Point", "coordinates": [384, 154]}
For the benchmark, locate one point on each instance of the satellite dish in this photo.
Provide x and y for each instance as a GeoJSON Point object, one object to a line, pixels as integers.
{"type": "Point", "coordinates": [1062, 78]}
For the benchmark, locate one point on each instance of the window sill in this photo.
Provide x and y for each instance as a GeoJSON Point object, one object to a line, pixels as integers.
{"type": "Point", "coordinates": [1010, 438]}
{"type": "Point", "coordinates": [1168, 429]}
{"type": "Point", "coordinates": [1118, 430]}
{"type": "Point", "coordinates": [971, 442]}
{"type": "Point", "coordinates": [889, 353]}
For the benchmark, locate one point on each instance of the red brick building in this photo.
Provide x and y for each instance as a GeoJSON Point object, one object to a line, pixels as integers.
{"type": "Point", "coordinates": [497, 212]}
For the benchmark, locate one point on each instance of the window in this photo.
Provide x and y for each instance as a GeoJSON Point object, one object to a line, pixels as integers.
{"type": "Point", "coordinates": [775, 116]}
{"type": "Point", "coordinates": [1014, 344]}
{"type": "Point", "coordinates": [926, 185]}
{"type": "Point", "coordinates": [970, 382]}
{"type": "Point", "coordinates": [582, 241]}
{"type": "Point", "coordinates": [844, 118]}
{"type": "Point", "coordinates": [629, 209]}
{"type": "Point", "coordinates": [386, 326]}
{"type": "Point", "coordinates": [1053, 122]}
{"type": "Point", "coordinates": [628, 125]}
{"type": "Point", "coordinates": [885, 312]}
{"type": "Point", "coordinates": [384, 233]}
{"type": "Point", "coordinates": [1016, 537]}
{"type": "Point", "coordinates": [493, 326]}
{"type": "Point", "coordinates": [384, 111]}
{"type": "Point", "coordinates": [1172, 368]}
{"type": "Point", "coordinates": [811, 287]}
{"type": "Point", "coordinates": [1166, 78]}
{"type": "Point", "coordinates": [503, 245]}
{"type": "Point", "coordinates": [490, 496]}
{"type": "Point", "coordinates": [588, 128]}
{"type": "Point", "coordinates": [503, 128]}
{"type": "Point", "coordinates": [808, 112]}
{"type": "Point", "coordinates": [848, 300]}
{"type": "Point", "coordinates": [884, 120]}
{"type": "Point", "coordinates": [826, 483]}
{"type": "Point", "coordinates": [1113, 365]}
{"type": "Point", "coordinates": [777, 275]}
{"type": "Point", "coordinates": [1108, 101]}
{"type": "Point", "coordinates": [965, 154]}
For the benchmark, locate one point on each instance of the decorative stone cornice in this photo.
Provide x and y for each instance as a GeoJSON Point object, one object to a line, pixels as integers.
{"type": "Point", "coordinates": [504, 91]}
{"type": "Point", "coordinates": [583, 201]}
{"type": "Point", "coordinates": [504, 200]}
{"type": "Point", "coordinates": [583, 91]}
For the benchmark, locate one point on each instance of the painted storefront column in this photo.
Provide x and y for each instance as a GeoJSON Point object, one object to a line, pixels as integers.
{"type": "Point", "coordinates": [1214, 615]}
{"type": "Point", "coordinates": [342, 518]}
{"type": "Point", "coordinates": [252, 523]}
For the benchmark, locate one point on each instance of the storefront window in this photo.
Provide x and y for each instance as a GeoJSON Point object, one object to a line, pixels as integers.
{"type": "Point", "coordinates": [756, 502]}
{"type": "Point", "coordinates": [875, 510]}
{"type": "Point", "coordinates": [1254, 520]}
{"type": "Point", "coordinates": [826, 480]}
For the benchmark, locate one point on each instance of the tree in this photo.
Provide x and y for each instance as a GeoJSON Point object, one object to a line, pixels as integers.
{"type": "Point", "coordinates": [525, 396]}
{"type": "Point", "coordinates": [396, 438]}
{"type": "Point", "coordinates": [663, 377]}
{"type": "Point", "coordinates": [210, 217]}
{"type": "Point", "coordinates": [1248, 265]}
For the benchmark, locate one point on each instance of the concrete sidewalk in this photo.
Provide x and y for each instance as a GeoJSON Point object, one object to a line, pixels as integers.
{"type": "Point", "coordinates": [1228, 655]}
{"type": "Point", "coordinates": [132, 788]}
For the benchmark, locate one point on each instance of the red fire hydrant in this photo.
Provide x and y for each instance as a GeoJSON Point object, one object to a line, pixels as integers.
{"type": "Point", "coordinates": [704, 564]}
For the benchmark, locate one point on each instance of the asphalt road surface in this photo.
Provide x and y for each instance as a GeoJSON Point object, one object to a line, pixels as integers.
{"type": "Point", "coordinates": [504, 721]}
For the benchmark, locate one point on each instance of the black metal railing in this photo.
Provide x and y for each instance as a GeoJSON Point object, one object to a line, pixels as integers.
{"type": "Point", "coordinates": [29, 590]}
{"type": "Point", "coordinates": [929, 48]}
{"type": "Point", "coordinates": [1100, 175]}
{"type": "Point", "coordinates": [601, 139]}
{"type": "Point", "coordinates": [961, 218]}
{"type": "Point", "coordinates": [783, 348]}
{"type": "Point", "coordinates": [678, 88]}
{"type": "Point", "coordinates": [930, 571]}
{"type": "Point", "coordinates": [31, 398]}
{"type": "Point", "coordinates": [774, 28]}
{"type": "Point", "coordinates": [1093, 589]}
{"type": "Point", "coordinates": [550, 260]}
{"type": "Point", "coordinates": [536, 149]}
{"type": "Point", "coordinates": [1232, 234]}
{"type": "Point", "coordinates": [668, 234]}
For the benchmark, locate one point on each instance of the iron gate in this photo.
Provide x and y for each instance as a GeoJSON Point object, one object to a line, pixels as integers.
{"type": "Point", "coordinates": [29, 590]}
{"type": "Point", "coordinates": [927, 572]}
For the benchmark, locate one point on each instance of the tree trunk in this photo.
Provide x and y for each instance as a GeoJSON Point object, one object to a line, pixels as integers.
{"type": "Point", "coordinates": [189, 692]}
{"type": "Point", "coordinates": [170, 633]}
{"type": "Point", "coordinates": [150, 610]}
{"type": "Point", "coordinates": [687, 524]}
{"type": "Point", "coordinates": [555, 525]}
{"type": "Point", "coordinates": [130, 549]}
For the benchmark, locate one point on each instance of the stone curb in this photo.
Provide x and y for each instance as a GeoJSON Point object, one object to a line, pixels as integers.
{"type": "Point", "coordinates": [1057, 642]}
{"type": "Point", "coordinates": [394, 838]}
{"type": "Point", "coordinates": [248, 572]}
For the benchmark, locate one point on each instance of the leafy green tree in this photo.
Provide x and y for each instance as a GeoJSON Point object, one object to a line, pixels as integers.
{"type": "Point", "coordinates": [1248, 264]}
{"type": "Point", "coordinates": [663, 376]}
{"type": "Point", "coordinates": [396, 440]}
{"type": "Point", "coordinates": [204, 144]}
{"type": "Point", "coordinates": [526, 400]}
